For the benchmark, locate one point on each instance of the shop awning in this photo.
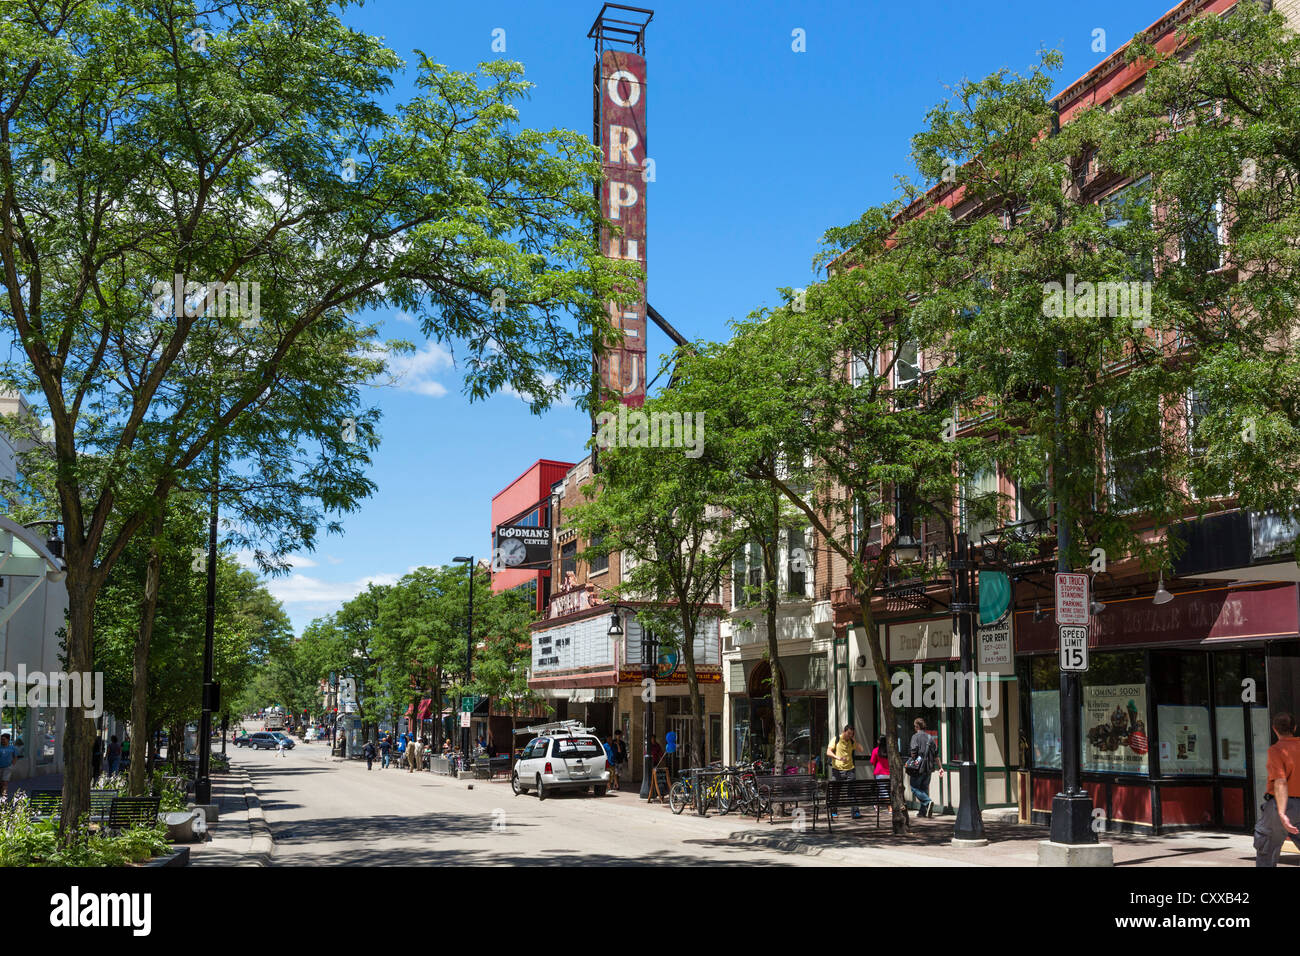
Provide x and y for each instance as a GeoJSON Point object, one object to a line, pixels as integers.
{"type": "Point", "coordinates": [425, 706]}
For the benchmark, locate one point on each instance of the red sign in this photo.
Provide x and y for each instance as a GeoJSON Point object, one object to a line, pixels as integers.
{"type": "Point", "coordinates": [1204, 616]}
{"type": "Point", "coordinates": [1137, 742]}
{"type": "Point", "coordinates": [1072, 604]}
{"type": "Point", "coordinates": [620, 132]}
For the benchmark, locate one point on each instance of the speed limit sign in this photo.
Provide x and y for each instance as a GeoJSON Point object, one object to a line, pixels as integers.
{"type": "Point", "coordinates": [1074, 647]}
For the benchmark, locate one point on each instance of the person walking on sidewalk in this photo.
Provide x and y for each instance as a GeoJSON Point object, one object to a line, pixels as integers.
{"type": "Point", "coordinates": [1281, 808]}
{"type": "Point", "coordinates": [368, 751]}
{"type": "Point", "coordinates": [880, 758]}
{"type": "Point", "coordinates": [385, 752]}
{"type": "Point", "coordinates": [611, 763]}
{"type": "Point", "coordinates": [8, 754]}
{"type": "Point", "coordinates": [114, 755]}
{"type": "Point", "coordinates": [920, 765]}
{"type": "Point", "coordinates": [620, 754]}
{"type": "Point", "coordinates": [841, 751]}
{"type": "Point", "coordinates": [279, 746]}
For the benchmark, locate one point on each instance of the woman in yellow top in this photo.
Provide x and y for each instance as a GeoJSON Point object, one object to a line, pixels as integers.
{"type": "Point", "coordinates": [841, 751]}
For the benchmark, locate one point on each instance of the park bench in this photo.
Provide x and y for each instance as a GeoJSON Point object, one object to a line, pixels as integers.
{"type": "Point", "coordinates": [788, 789]}
{"type": "Point", "coordinates": [45, 803]}
{"type": "Point", "coordinates": [856, 793]}
{"type": "Point", "coordinates": [127, 812]}
{"type": "Point", "coordinates": [101, 801]}
{"type": "Point", "coordinates": [487, 768]}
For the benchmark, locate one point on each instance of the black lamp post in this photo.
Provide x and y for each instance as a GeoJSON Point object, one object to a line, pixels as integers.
{"type": "Point", "coordinates": [469, 644]}
{"type": "Point", "coordinates": [970, 823]}
{"type": "Point", "coordinates": [203, 778]}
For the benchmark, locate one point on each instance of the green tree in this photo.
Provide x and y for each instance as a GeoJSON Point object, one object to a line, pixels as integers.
{"type": "Point", "coordinates": [659, 509]}
{"type": "Point", "coordinates": [244, 143]}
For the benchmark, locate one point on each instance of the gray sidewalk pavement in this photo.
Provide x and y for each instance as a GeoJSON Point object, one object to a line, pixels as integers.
{"type": "Point", "coordinates": [240, 837]}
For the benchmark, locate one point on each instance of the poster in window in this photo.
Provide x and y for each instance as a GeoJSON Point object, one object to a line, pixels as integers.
{"type": "Point", "coordinates": [1114, 725]}
{"type": "Point", "coordinates": [1231, 742]}
{"type": "Point", "coordinates": [1185, 743]}
{"type": "Point", "coordinates": [1046, 706]}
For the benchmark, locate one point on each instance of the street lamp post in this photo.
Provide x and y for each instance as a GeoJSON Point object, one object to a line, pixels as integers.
{"type": "Point", "coordinates": [469, 643]}
{"type": "Point", "coordinates": [649, 658]}
{"type": "Point", "coordinates": [203, 779]}
{"type": "Point", "coordinates": [969, 826]}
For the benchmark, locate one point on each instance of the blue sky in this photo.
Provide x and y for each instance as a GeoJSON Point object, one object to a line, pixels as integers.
{"type": "Point", "coordinates": [758, 150]}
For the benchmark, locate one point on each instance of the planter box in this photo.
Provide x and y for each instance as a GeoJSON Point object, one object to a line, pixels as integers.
{"type": "Point", "coordinates": [180, 856]}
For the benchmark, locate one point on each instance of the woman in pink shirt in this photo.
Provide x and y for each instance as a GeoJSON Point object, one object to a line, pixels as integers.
{"type": "Point", "coordinates": [880, 758]}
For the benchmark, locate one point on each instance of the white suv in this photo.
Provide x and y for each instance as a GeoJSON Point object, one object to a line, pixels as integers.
{"type": "Point", "coordinates": [561, 762]}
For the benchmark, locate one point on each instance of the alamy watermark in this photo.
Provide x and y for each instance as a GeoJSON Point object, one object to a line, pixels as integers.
{"type": "Point", "coordinates": [1127, 300]}
{"type": "Point", "coordinates": [180, 298]}
{"type": "Point", "coordinates": [951, 689]}
{"type": "Point", "coordinates": [636, 429]}
{"type": "Point", "coordinates": [84, 690]}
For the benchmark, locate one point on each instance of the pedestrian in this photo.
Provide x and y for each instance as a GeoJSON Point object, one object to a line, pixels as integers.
{"type": "Point", "coordinates": [97, 758]}
{"type": "Point", "coordinates": [385, 752]}
{"type": "Point", "coordinates": [880, 758]}
{"type": "Point", "coordinates": [8, 754]}
{"type": "Point", "coordinates": [922, 759]}
{"type": "Point", "coordinates": [126, 752]}
{"type": "Point", "coordinates": [368, 751]}
{"type": "Point", "coordinates": [656, 752]}
{"type": "Point", "coordinates": [841, 752]}
{"type": "Point", "coordinates": [620, 754]}
{"type": "Point", "coordinates": [114, 755]}
{"type": "Point", "coordinates": [412, 754]}
{"type": "Point", "coordinates": [611, 763]}
{"type": "Point", "coordinates": [279, 746]}
{"type": "Point", "coordinates": [1281, 805]}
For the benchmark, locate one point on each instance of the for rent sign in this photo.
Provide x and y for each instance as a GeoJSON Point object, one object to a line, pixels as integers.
{"type": "Point", "coordinates": [621, 134]}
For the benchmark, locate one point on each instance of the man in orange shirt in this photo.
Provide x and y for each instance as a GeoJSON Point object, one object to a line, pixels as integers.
{"type": "Point", "coordinates": [1282, 804]}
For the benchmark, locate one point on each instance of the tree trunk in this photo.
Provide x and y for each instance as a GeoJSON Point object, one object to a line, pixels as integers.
{"type": "Point", "coordinates": [79, 730]}
{"type": "Point", "coordinates": [140, 667]}
{"type": "Point", "coordinates": [774, 660]}
{"type": "Point", "coordinates": [901, 821]}
{"type": "Point", "coordinates": [693, 684]}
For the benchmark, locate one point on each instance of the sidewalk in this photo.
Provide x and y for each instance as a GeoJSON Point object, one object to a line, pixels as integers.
{"type": "Point", "coordinates": [862, 843]}
{"type": "Point", "coordinates": [241, 836]}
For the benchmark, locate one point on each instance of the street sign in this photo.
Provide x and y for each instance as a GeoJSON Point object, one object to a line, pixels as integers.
{"type": "Point", "coordinates": [1072, 599]}
{"type": "Point", "coordinates": [1074, 647]}
{"type": "Point", "coordinates": [464, 718]}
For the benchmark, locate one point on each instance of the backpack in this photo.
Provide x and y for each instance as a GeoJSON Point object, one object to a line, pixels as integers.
{"type": "Point", "coordinates": [918, 763]}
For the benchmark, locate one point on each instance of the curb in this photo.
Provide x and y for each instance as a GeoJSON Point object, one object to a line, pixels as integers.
{"type": "Point", "coordinates": [179, 856]}
{"type": "Point", "coordinates": [263, 843]}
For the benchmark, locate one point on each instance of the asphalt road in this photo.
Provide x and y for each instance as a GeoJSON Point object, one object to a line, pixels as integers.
{"type": "Point", "coordinates": [326, 812]}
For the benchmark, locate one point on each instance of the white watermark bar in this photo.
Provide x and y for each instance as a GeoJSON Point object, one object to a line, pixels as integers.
{"type": "Point", "coordinates": [77, 690]}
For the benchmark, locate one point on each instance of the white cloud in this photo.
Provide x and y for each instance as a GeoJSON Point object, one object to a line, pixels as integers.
{"type": "Point", "coordinates": [304, 589]}
{"type": "Point", "coordinates": [415, 372]}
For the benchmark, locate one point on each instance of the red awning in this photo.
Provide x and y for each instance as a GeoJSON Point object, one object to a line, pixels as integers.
{"type": "Point", "coordinates": [409, 709]}
{"type": "Point", "coordinates": [425, 706]}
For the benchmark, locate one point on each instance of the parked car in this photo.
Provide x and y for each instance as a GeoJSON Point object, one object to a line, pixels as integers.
{"type": "Point", "coordinates": [561, 762]}
{"type": "Point", "coordinates": [267, 740]}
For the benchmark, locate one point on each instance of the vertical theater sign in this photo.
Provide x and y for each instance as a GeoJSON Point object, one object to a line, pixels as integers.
{"type": "Point", "coordinates": [620, 132]}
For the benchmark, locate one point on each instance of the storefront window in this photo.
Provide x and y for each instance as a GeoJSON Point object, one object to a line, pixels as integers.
{"type": "Point", "coordinates": [1182, 687]}
{"type": "Point", "coordinates": [1115, 738]}
{"type": "Point", "coordinates": [905, 715]}
{"type": "Point", "coordinates": [805, 730]}
{"type": "Point", "coordinates": [13, 721]}
{"type": "Point", "coordinates": [1238, 677]}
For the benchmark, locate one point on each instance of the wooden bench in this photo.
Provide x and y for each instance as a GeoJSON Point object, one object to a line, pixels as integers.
{"type": "Point", "coordinates": [787, 789]}
{"type": "Point", "coordinates": [127, 812]}
{"type": "Point", "coordinates": [856, 793]}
